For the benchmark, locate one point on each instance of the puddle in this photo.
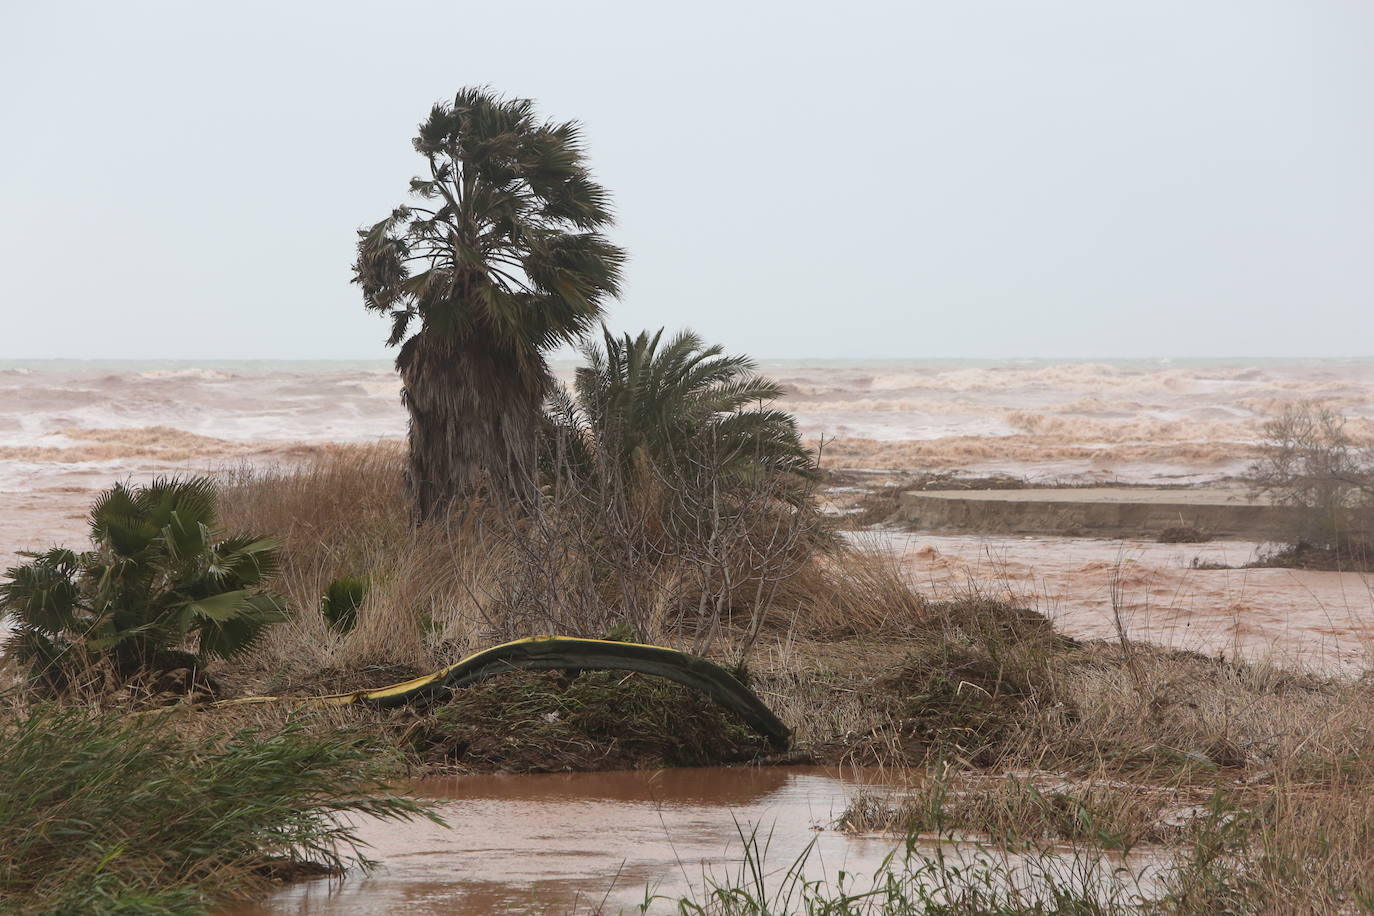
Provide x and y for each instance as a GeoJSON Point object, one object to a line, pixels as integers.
{"type": "Point", "coordinates": [578, 842]}
{"type": "Point", "coordinates": [565, 840]}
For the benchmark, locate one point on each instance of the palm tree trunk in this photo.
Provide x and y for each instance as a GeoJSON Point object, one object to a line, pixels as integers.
{"type": "Point", "coordinates": [474, 421]}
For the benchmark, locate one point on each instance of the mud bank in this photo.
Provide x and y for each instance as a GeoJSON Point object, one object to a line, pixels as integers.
{"type": "Point", "coordinates": [1133, 512]}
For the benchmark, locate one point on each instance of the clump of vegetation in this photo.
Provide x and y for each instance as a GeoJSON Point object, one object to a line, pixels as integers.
{"type": "Point", "coordinates": [916, 879]}
{"type": "Point", "coordinates": [1038, 809]}
{"type": "Point", "coordinates": [1312, 461]}
{"type": "Point", "coordinates": [102, 814]}
{"type": "Point", "coordinates": [341, 601]}
{"type": "Point", "coordinates": [969, 691]}
{"type": "Point", "coordinates": [667, 464]}
{"type": "Point", "coordinates": [718, 551]}
{"type": "Point", "coordinates": [637, 411]}
{"type": "Point", "coordinates": [1353, 555]}
{"type": "Point", "coordinates": [534, 722]}
{"type": "Point", "coordinates": [161, 575]}
{"type": "Point", "coordinates": [1183, 534]}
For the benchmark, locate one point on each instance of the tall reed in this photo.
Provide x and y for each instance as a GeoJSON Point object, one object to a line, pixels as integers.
{"type": "Point", "coordinates": [111, 814]}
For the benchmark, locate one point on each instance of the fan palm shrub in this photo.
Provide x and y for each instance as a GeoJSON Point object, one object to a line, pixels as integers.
{"type": "Point", "coordinates": [686, 495]}
{"type": "Point", "coordinates": [501, 259]}
{"type": "Point", "coordinates": [682, 409]}
{"type": "Point", "coordinates": [160, 577]}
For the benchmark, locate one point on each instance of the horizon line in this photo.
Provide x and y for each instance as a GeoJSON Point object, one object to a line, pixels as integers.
{"type": "Point", "coordinates": [574, 358]}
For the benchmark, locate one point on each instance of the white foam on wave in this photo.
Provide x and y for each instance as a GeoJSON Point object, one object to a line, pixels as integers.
{"type": "Point", "coordinates": [217, 375]}
{"type": "Point", "coordinates": [1180, 417]}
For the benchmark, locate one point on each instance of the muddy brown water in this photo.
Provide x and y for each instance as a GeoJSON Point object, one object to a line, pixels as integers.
{"type": "Point", "coordinates": [1294, 617]}
{"type": "Point", "coordinates": [604, 842]}
{"type": "Point", "coordinates": [571, 842]}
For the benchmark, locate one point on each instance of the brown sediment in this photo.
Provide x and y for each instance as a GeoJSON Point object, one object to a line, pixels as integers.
{"type": "Point", "coordinates": [160, 442]}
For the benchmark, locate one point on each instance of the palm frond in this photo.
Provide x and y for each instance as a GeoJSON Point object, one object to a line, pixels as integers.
{"type": "Point", "coordinates": [682, 403]}
{"type": "Point", "coordinates": [159, 574]}
{"type": "Point", "coordinates": [517, 237]}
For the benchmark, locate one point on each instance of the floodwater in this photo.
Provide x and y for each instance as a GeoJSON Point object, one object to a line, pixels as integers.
{"type": "Point", "coordinates": [1156, 592]}
{"type": "Point", "coordinates": [571, 842]}
{"type": "Point", "coordinates": [608, 842]}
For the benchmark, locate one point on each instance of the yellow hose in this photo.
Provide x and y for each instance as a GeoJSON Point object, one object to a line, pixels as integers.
{"type": "Point", "coordinates": [564, 652]}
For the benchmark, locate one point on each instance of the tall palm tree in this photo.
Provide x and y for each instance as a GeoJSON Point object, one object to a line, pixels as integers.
{"type": "Point", "coordinates": [677, 407]}
{"type": "Point", "coordinates": [505, 262]}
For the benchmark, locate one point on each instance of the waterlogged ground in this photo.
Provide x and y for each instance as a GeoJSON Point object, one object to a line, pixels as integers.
{"type": "Point", "coordinates": [1319, 620]}
{"type": "Point", "coordinates": [582, 841]}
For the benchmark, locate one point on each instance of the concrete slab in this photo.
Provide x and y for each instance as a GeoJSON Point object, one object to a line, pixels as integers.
{"type": "Point", "coordinates": [1133, 512]}
{"type": "Point", "coordinates": [1191, 496]}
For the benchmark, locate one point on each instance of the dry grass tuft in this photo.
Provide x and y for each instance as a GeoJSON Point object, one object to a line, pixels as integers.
{"type": "Point", "coordinates": [1014, 810]}
{"type": "Point", "coordinates": [344, 514]}
{"type": "Point", "coordinates": [1183, 534]}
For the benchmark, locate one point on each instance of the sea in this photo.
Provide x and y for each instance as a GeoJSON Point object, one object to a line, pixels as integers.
{"type": "Point", "coordinates": [1132, 420]}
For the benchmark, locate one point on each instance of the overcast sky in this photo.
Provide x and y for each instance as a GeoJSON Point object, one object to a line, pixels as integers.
{"type": "Point", "coordinates": [914, 179]}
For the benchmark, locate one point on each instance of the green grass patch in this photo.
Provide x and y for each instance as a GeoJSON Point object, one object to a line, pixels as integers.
{"type": "Point", "coordinates": [915, 880]}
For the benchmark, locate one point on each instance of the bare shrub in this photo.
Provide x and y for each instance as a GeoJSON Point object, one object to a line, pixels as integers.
{"type": "Point", "coordinates": [675, 550]}
{"type": "Point", "coordinates": [1312, 461]}
{"type": "Point", "coordinates": [1183, 534]}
